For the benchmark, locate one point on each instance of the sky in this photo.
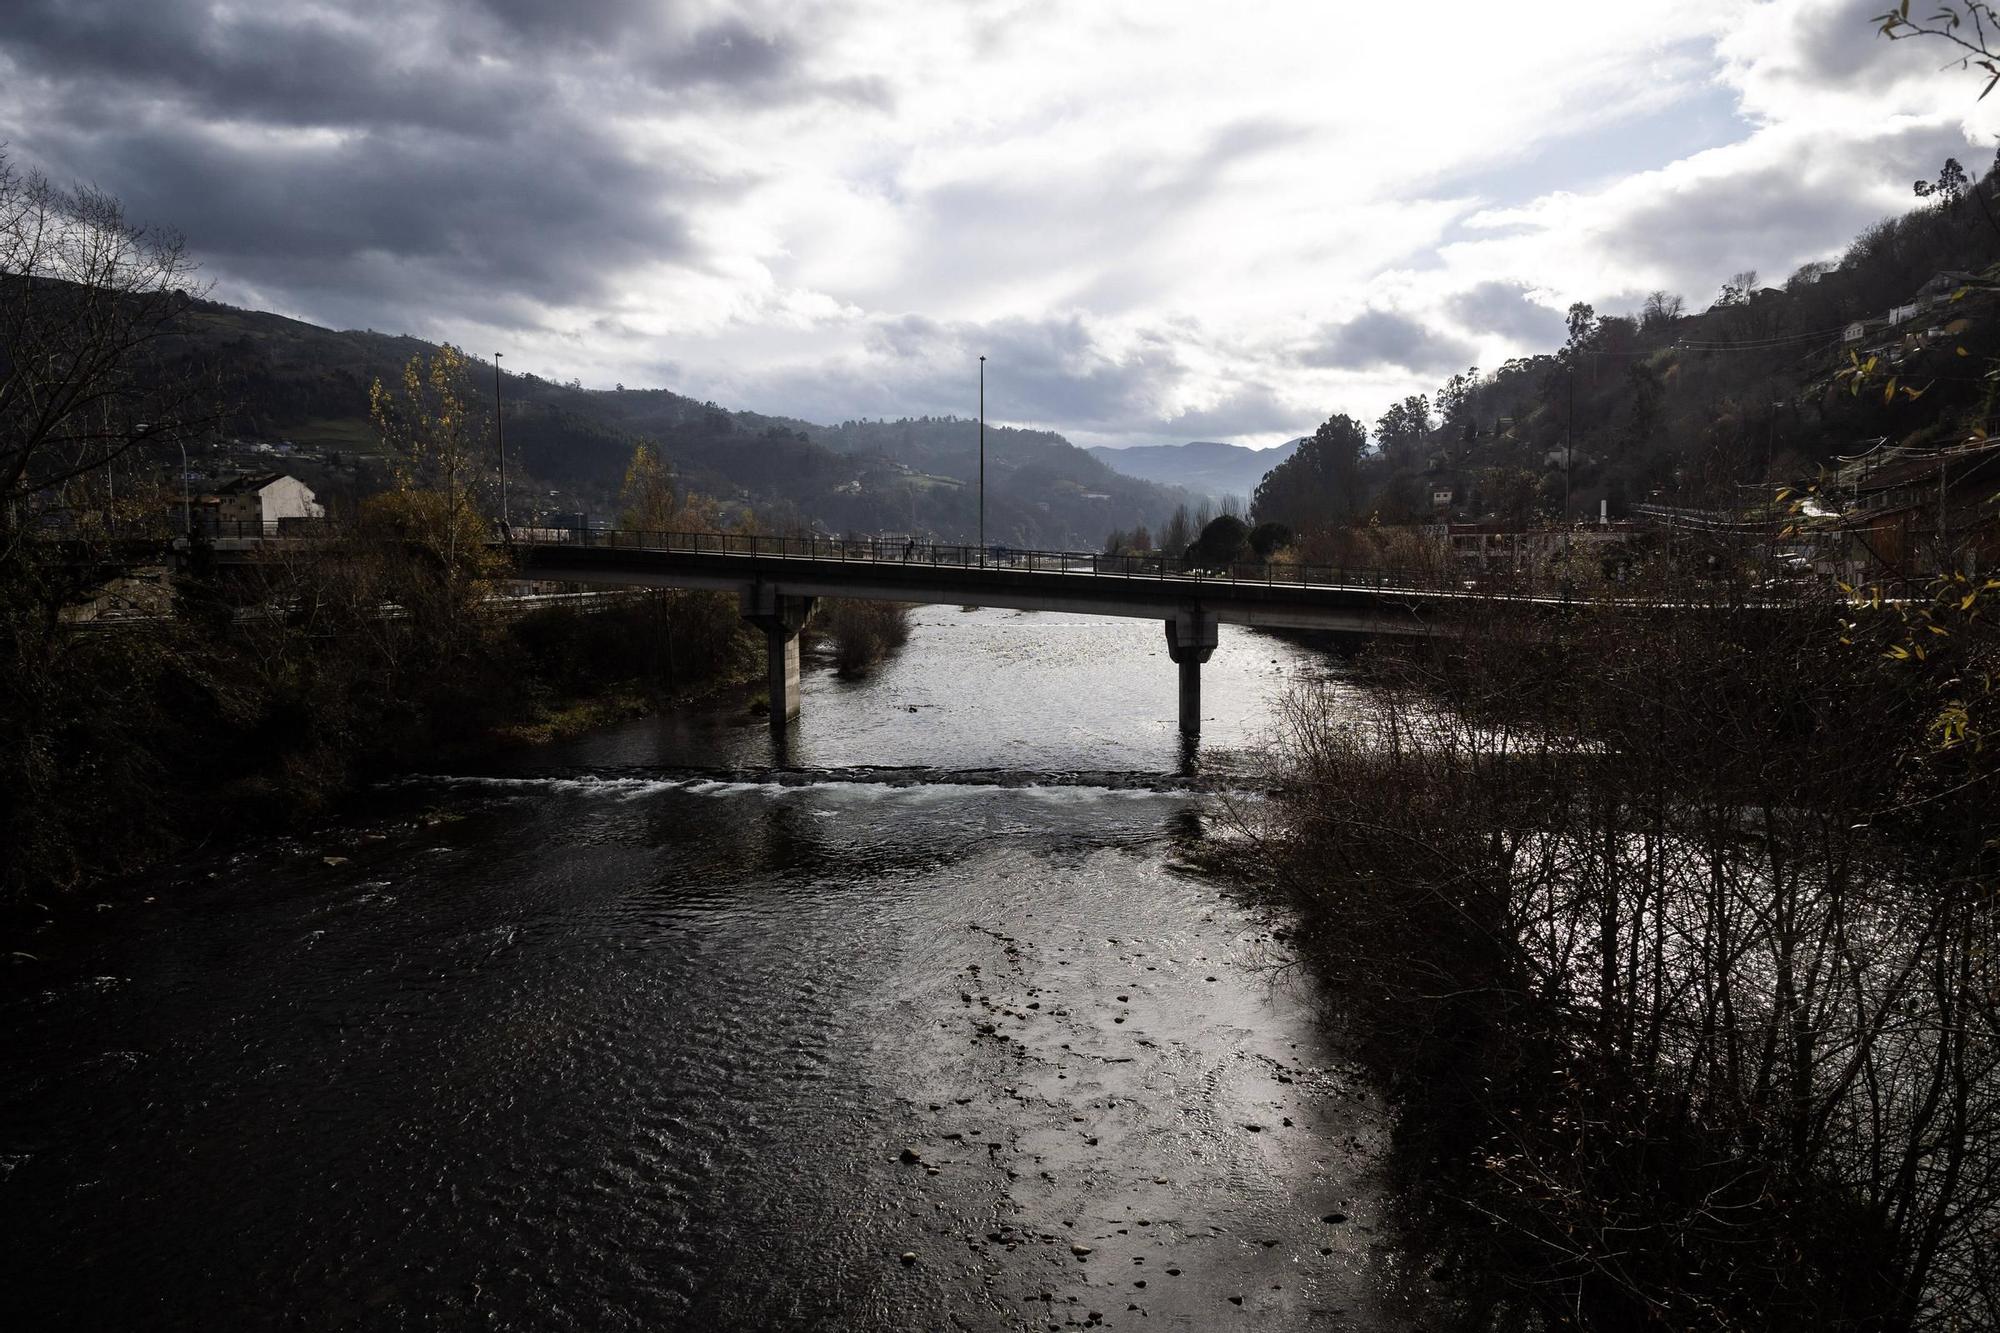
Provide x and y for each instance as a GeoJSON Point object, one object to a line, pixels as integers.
{"type": "Point", "coordinates": [1158, 221]}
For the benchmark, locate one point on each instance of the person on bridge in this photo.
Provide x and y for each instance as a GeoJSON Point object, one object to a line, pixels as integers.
{"type": "Point", "coordinates": [910, 548]}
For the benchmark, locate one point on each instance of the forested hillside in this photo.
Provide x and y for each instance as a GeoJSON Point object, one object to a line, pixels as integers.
{"type": "Point", "coordinates": [282, 379]}
{"type": "Point", "coordinates": [1767, 384]}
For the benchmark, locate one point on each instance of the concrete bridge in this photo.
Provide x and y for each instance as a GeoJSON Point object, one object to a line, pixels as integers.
{"type": "Point", "coordinates": [777, 580]}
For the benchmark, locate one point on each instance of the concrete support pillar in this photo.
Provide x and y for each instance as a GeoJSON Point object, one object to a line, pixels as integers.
{"type": "Point", "coordinates": [1191, 637]}
{"type": "Point", "coordinates": [781, 618]}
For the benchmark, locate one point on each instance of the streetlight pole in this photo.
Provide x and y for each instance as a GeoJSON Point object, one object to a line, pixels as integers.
{"type": "Point", "coordinates": [500, 442]}
{"type": "Point", "coordinates": [982, 460]}
{"type": "Point", "coordinates": [1569, 460]}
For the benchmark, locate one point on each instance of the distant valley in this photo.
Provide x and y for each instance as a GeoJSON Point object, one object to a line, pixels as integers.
{"type": "Point", "coordinates": [1204, 467]}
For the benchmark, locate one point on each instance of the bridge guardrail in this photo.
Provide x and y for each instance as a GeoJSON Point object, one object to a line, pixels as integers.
{"type": "Point", "coordinates": [888, 551]}
{"type": "Point", "coordinates": [1498, 585]}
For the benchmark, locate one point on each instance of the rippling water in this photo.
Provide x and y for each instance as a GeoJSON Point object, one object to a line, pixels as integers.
{"type": "Point", "coordinates": [926, 1027]}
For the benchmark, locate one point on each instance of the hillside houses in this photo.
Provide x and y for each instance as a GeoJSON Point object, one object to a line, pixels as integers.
{"type": "Point", "coordinates": [1933, 296]}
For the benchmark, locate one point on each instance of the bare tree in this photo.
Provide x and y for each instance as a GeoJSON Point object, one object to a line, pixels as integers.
{"type": "Point", "coordinates": [87, 298]}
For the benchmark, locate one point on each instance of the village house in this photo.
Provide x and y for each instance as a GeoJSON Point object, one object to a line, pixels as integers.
{"type": "Point", "coordinates": [1942, 287]}
{"type": "Point", "coordinates": [271, 500]}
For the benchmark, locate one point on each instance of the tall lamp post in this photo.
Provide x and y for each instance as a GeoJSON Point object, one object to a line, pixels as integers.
{"type": "Point", "coordinates": [500, 442]}
{"type": "Point", "coordinates": [1569, 457]}
{"type": "Point", "coordinates": [982, 460]}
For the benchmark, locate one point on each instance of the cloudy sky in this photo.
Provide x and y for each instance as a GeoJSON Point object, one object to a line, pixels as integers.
{"type": "Point", "coordinates": [1160, 221]}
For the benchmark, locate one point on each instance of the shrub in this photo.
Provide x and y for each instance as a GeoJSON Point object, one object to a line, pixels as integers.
{"type": "Point", "coordinates": [860, 634]}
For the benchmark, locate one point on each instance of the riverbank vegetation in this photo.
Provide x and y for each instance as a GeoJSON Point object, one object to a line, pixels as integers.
{"type": "Point", "coordinates": [1674, 936]}
{"type": "Point", "coordinates": [239, 713]}
{"type": "Point", "coordinates": [858, 634]}
{"type": "Point", "coordinates": [259, 694]}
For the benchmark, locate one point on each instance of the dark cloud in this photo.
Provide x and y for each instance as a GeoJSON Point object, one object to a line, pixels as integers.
{"type": "Point", "coordinates": [1248, 409]}
{"type": "Point", "coordinates": [1772, 217]}
{"type": "Point", "coordinates": [1051, 370]}
{"type": "Point", "coordinates": [399, 218]}
{"type": "Point", "coordinates": [1377, 339]}
{"type": "Point", "coordinates": [381, 156]}
{"type": "Point", "coordinates": [1836, 45]}
{"type": "Point", "coordinates": [389, 62]}
{"type": "Point", "coordinates": [1505, 310]}
{"type": "Point", "coordinates": [288, 66]}
{"type": "Point", "coordinates": [597, 22]}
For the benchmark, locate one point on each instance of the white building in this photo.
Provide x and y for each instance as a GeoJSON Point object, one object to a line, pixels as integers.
{"type": "Point", "coordinates": [266, 498]}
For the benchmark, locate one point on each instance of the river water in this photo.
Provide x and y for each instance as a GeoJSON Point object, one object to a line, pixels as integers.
{"type": "Point", "coordinates": [931, 1026]}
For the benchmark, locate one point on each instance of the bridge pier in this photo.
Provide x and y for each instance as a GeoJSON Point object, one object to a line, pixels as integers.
{"type": "Point", "coordinates": [781, 618]}
{"type": "Point", "coordinates": [1191, 637]}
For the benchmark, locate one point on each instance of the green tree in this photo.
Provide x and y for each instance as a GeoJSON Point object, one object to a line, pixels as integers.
{"type": "Point", "coordinates": [1319, 485]}
{"type": "Point", "coordinates": [1581, 323]}
{"type": "Point", "coordinates": [1404, 428]}
{"type": "Point", "coordinates": [1222, 543]}
{"type": "Point", "coordinates": [1266, 539]}
{"type": "Point", "coordinates": [1454, 403]}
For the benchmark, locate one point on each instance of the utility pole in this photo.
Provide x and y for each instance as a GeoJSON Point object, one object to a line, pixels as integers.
{"type": "Point", "coordinates": [982, 461]}
{"type": "Point", "coordinates": [1944, 465]}
{"type": "Point", "coordinates": [1569, 458]}
{"type": "Point", "coordinates": [500, 441]}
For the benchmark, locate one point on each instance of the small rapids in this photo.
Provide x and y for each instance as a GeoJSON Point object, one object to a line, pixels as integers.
{"type": "Point", "coordinates": [614, 779]}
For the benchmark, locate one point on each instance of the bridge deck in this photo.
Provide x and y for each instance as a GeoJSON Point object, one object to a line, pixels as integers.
{"type": "Point", "coordinates": [1149, 587]}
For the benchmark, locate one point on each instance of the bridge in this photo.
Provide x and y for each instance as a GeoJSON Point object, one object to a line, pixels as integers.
{"type": "Point", "coordinates": [777, 580]}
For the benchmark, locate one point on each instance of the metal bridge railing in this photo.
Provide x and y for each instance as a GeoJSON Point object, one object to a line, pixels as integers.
{"type": "Point", "coordinates": [1524, 582]}
{"type": "Point", "coordinates": [889, 551]}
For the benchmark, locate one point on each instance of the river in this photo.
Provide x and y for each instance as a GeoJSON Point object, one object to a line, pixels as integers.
{"type": "Point", "coordinates": [932, 1027]}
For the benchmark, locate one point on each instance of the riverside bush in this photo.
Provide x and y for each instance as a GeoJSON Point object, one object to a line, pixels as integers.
{"type": "Point", "coordinates": [358, 654]}
{"type": "Point", "coordinates": [860, 634]}
{"type": "Point", "coordinates": [1673, 935]}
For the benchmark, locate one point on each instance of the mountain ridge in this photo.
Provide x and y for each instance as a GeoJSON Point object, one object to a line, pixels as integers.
{"type": "Point", "coordinates": [279, 377]}
{"type": "Point", "coordinates": [1206, 467]}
